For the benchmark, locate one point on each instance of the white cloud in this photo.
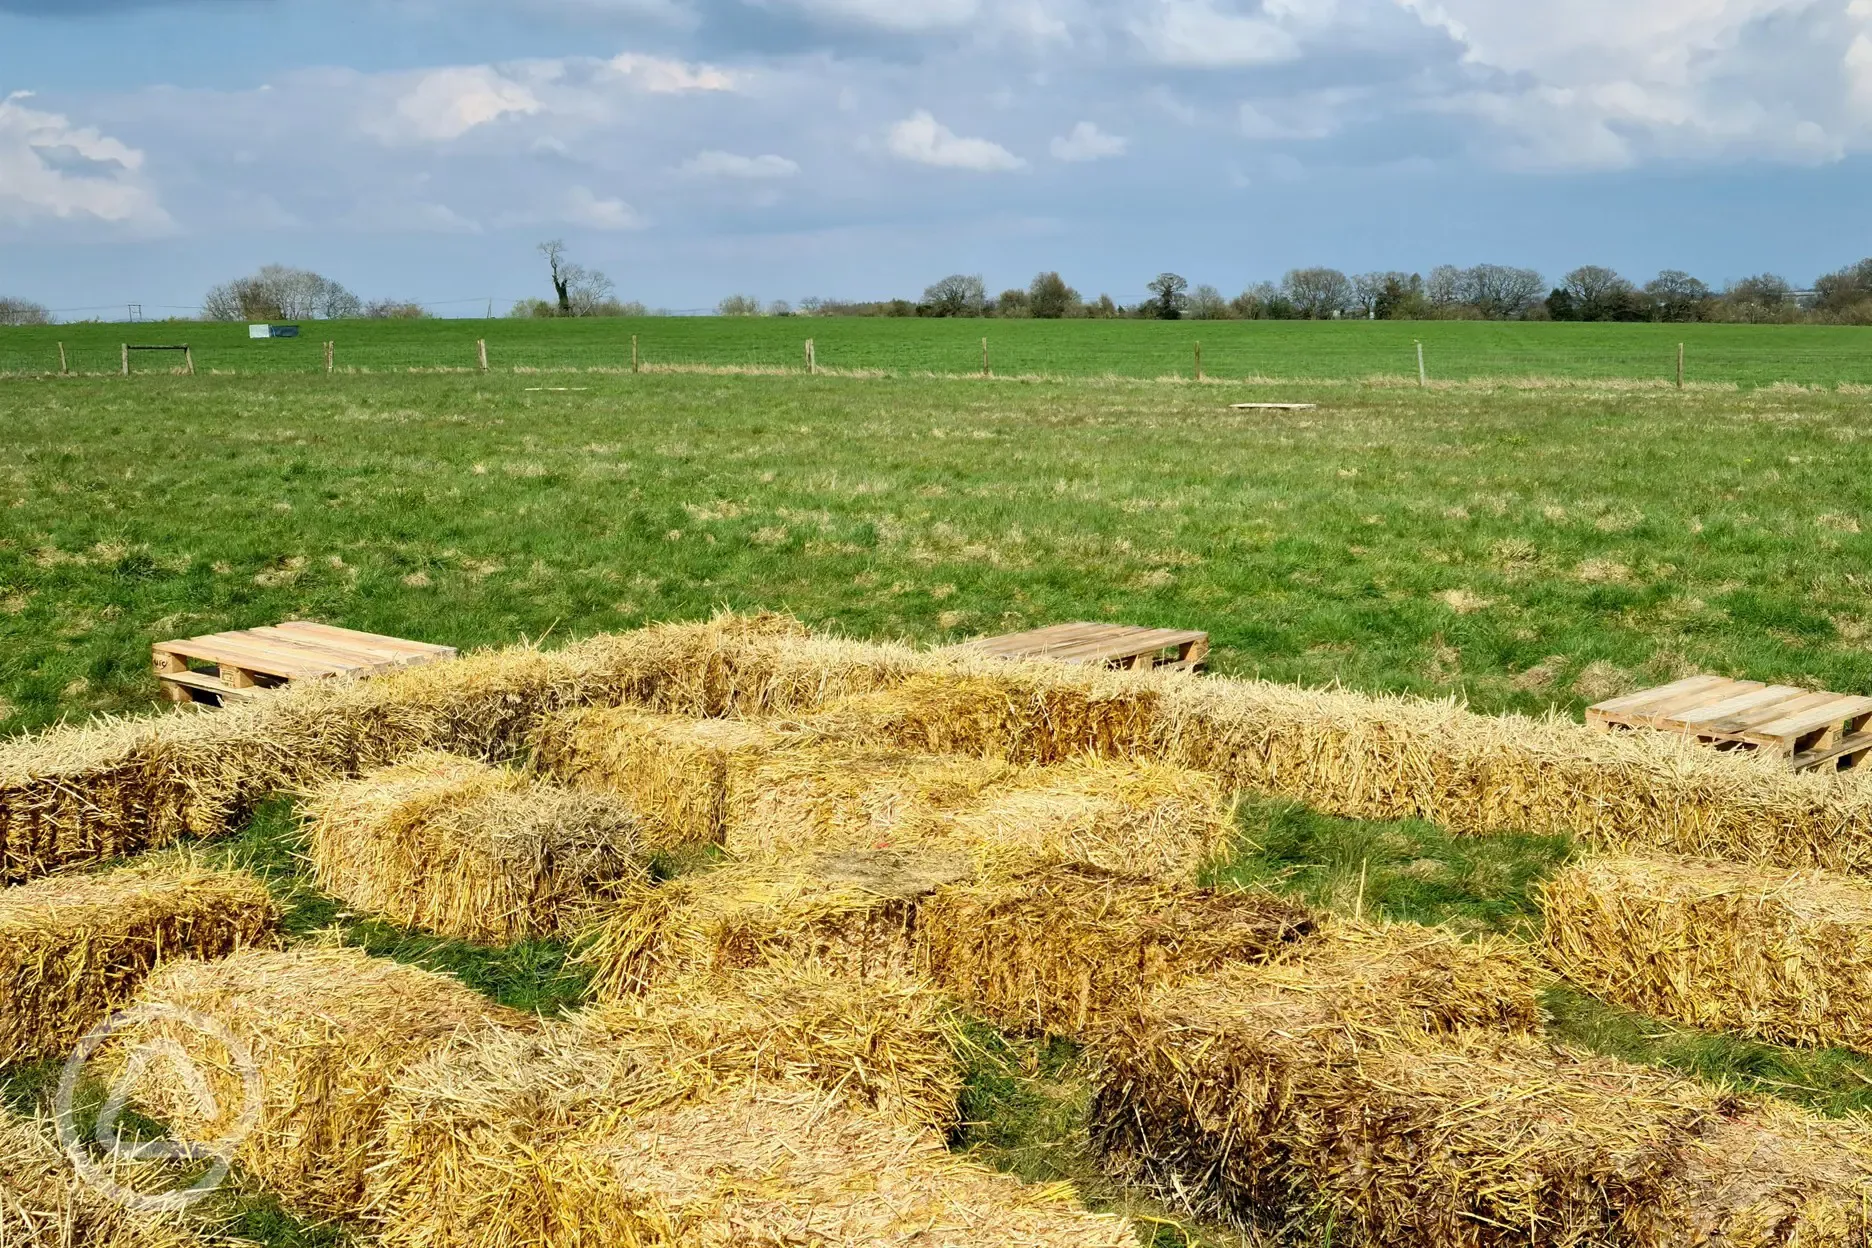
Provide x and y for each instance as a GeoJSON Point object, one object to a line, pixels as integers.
{"type": "Point", "coordinates": [585, 208]}
{"type": "Point", "coordinates": [51, 168]}
{"type": "Point", "coordinates": [907, 16]}
{"type": "Point", "coordinates": [926, 141]}
{"type": "Point", "coordinates": [666, 77]}
{"type": "Point", "coordinates": [728, 165]}
{"type": "Point", "coordinates": [447, 103]}
{"type": "Point", "coordinates": [1088, 142]}
{"type": "Point", "coordinates": [1195, 34]}
{"type": "Point", "coordinates": [1305, 118]}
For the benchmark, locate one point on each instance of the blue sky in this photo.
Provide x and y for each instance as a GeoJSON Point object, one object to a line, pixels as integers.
{"type": "Point", "coordinates": [863, 148]}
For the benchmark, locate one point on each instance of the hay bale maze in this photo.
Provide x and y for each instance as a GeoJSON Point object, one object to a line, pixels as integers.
{"type": "Point", "coordinates": [807, 874]}
{"type": "Point", "coordinates": [75, 948]}
{"type": "Point", "coordinates": [470, 850]}
{"type": "Point", "coordinates": [1781, 955]}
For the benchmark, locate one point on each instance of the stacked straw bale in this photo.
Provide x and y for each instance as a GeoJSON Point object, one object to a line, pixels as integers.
{"type": "Point", "coordinates": [44, 1204]}
{"type": "Point", "coordinates": [75, 948]}
{"type": "Point", "coordinates": [470, 850]}
{"type": "Point", "coordinates": [758, 1166]}
{"type": "Point", "coordinates": [1782, 955]}
{"type": "Point", "coordinates": [87, 794]}
{"type": "Point", "coordinates": [1061, 949]}
{"type": "Point", "coordinates": [492, 1139]}
{"type": "Point", "coordinates": [674, 771]}
{"type": "Point", "coordinates": [328, 1031]}
{"type": "Point", "coordinates": [765, 790]}
{"type": "Point", "coordinates": [1394, 1089]}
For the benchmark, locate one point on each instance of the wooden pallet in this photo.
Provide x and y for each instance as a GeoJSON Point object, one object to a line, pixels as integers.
{"type": "Point", "coordinates": [1108, 645]}
{"type": "Point", "coordinates": [250, 661]}
{"type": "Point", "coordinates": [1812, 731]}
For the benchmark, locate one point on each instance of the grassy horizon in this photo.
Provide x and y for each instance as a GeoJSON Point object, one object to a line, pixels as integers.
{"type": "Point", "coordinates": [1746, 355]}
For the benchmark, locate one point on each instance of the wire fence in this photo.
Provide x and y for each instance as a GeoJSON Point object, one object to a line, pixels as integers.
{"type": "Point", "coordinates": [1400, 352]}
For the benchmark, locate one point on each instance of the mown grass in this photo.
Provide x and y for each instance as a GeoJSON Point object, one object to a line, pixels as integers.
{"type": "Point", "coordinates": [1523, 549]}
{"type": "Point", "coordinates": [1321, 351]}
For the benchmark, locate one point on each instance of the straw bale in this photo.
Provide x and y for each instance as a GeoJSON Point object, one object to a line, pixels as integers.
{"type": "Point", "coordinates": [328, 1031]}
{"type": "Point", "coordinates": [77, 795]}
{"type": "Point", "coordinates": [1063, 949]}
{"type": "Point", "coordinates": [459, 1117]}
{"type": "Point", "coordinates": [44, 1204]}
{"type": "Point", "coordinates": [469, 850]}
{"type": "Point", "coordinates": [1403, 1097]}
{"type": "Point", "coordinates": [758, 1166]}
{"type": "Point", "coordinates": [1782, 955]}
{"type": "Point", "coordinates": [1199, 1080]}
{"type": "Point", "coordinates": [1138, 817]}
{"type": "Point", "coordinates": [671, 769]}
{"type": "Point", "coordinates": [75, 948]}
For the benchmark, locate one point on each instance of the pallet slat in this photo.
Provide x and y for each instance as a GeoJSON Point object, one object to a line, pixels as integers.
{"type": "Point", "coordinates": [247, 660]}
{"type": "Point", "coordinates": [1810, 730]}
{"type": "Point", "coordinates": [1110, 644]}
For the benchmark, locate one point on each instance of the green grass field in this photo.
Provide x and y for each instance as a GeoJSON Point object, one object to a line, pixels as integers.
{"type": "Point", "coordinates": [1322, 351]}
{"type": "Point", "coordinates": [1525, 548]}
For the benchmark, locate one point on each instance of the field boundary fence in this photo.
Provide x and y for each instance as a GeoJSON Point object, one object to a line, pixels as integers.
{"type": "Point", "coordinates": [1189, 351]}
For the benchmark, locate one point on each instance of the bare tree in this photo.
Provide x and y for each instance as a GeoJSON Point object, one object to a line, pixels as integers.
{"type": "Point", "coordinates": [1764, 290]}
{"type": "Point", "coordinates": [1676, 296]}
{"type": "Point", "coordinates": [1444, 287]}
{"type": "Point", "coordinates": [738, 305]}
{"type": "Point", "coordinates": [1318, 294]}
{"type": "Point", "coordinates": [1597, 293]}
{"type": "Point", "coordinates": [1207, 304]}
{"type": "Point", "coordinates": [554, 251]}
{"type": "Point", "coordinates": [580, 291]}
{"type": "Point", "coordinates": [395, 310]}
{"type": "Point", "coordinates": [1170, 291]}
{"type": "Point", "coordinates": [279, 293]}
{"type": "Point", "coordinates": [1500, 292]}
{"type": "Point", "coordinates": [23, 312]}
{"type": "Point", "coordinates": [959, 294]}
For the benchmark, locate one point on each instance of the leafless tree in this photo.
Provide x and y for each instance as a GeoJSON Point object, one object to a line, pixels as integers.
{"type": "Point", "coordinates": [1443, 289]}
{"type": "Point", "coordinates": [738, 305]}
{"type": "Point", "coordinates": [580, 291]}
{"type": "Point", "coordinates": [279, 293]}
{"type": "Point", "coordinates": [22, 312]}
{"type": "Point", "coordinates": [1207, 304]}
{"type": "Point", "coordinates": [1677, 296]}
{"type": "Point", "coordinates": [1597, 292]}
{"type": "Point", "coordinates": [1318, 294]}
{"type": "Point", "coordinates": [1500, 292]}
{"type": "Point", "coordinates": [959, 294]}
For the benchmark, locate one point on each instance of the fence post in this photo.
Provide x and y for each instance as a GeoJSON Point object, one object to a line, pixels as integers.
{"type": "Point", "coordinates": [481, 352]}
{"type": "Point", "coordinates": [1680, 363]}
{"type": "Point", "coordinates": [62, 368]}
{"type": "Point", "coordinates": [985, 370]}
{"type": "Point", "coordinates": [633, 353]}
{"type": "Point", "coordinates": [1423, 375]}
{"type": "Point", "coordinates": [330, 353]}
{"type": "Point", "coordinates": [188, 359]}
{"type": "Point", "coordinates": [812, 361]}
{"type": "Point", "coordinates": [1199, 375]}
{"type": "Point", "coordinates": [126, 359]}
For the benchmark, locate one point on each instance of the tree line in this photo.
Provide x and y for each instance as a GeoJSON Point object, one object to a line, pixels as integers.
{"type": "Point", "coordinates": [1481, 292]}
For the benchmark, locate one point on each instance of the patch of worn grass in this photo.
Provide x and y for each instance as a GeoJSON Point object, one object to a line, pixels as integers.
{"type": "Point", "coordinates": [1407, 870]}
{"type": "Point", "coordinates": [1835, 1082]}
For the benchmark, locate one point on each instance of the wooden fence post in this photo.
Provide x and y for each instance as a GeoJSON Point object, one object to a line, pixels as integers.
{"type": "Point", "coordinates": [985, 369]}
{"type": "Point", "coordinates": [481, 352]}
{"type": "Point", "coordinates": [812, 359]}
{"type": "Point", "coordinates": [1680, 364]}
{"type": "Point", "coordinates": [1199, 375]}
{"type": "Point", "coordinates": [633, 353]}
{"type": "Point", "coordinates": [188, 359]}
{"type": "Point", "coordinates": [63, 370]}
{"type": "Point", "coordinates": [331, 351]}
{"type": "Point", "coordinates": [126, 359]}
{"type": "Point", "coordinates": [1423, 375]}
